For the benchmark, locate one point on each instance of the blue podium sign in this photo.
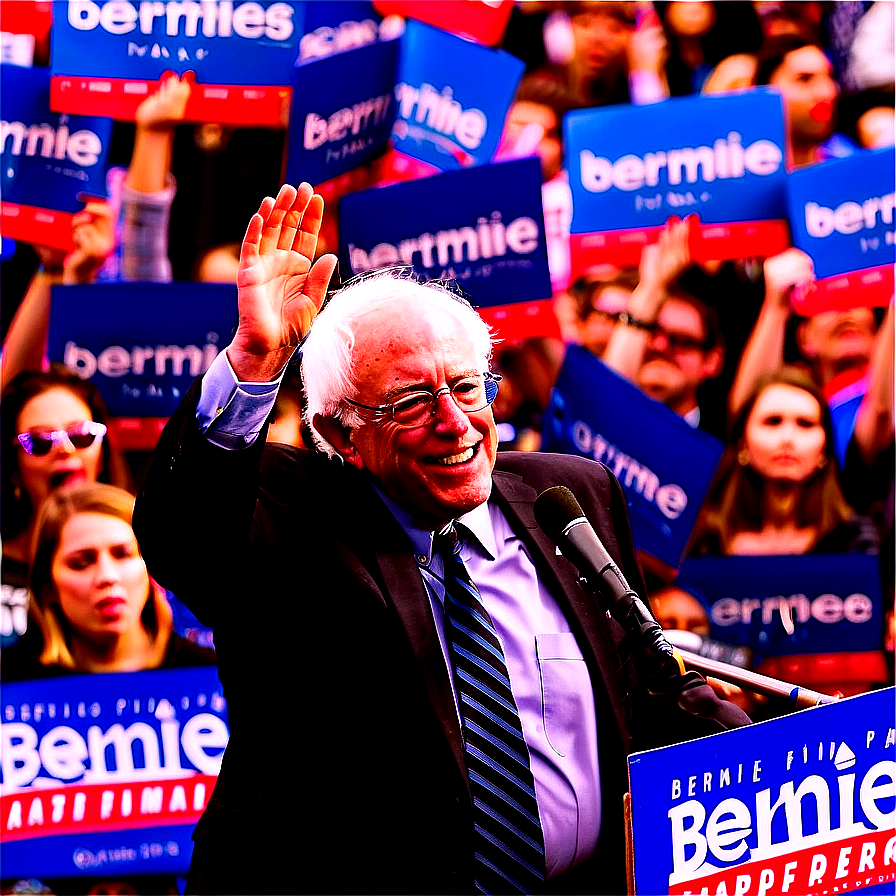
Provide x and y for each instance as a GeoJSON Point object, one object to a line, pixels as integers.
{"type": "Point", "coordinates": [804, 805]}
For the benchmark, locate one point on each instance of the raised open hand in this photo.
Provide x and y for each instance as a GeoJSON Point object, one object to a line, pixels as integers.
{"type": "Point", "coordinates": [280, 289]}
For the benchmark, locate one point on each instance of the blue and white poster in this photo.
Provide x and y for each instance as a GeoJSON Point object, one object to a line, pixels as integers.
{"type": "Point", "coordinates": [452, 96]}
{"type": "Point", "coordinates": [663, 464]}
{"type": "Point", "coordinates": [841, 215]}
{"type": "Point", "coordinates": [340, 25]}
{"type": "Point", "coordinates": [342, 112]}
{"type": "Point", "coordinates": [815, 619]}
{"type": "Point", "coordinates": [142, 344]}
{"type": "Point", "coordinates": [107, 55]}
{"type": "Point", "coordinates": [804, 805]}
{"type": "Point", "coordinates": [482, 226]}
{"type": "Point", "coordinates": [107, 775]}
{"type": "Point", "coordinates": [719, 157]}
{"type": "Point", "coordinates": [48, 160]}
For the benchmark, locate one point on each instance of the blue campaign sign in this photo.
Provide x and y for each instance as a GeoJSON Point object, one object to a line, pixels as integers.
{"type": "Point", "coordinates": [249, 42]}
{"type": "Point", "coordinates": [143, 344]}
{"type": "Point", "coordinates": [482, 226]}
{"type": "Point", "coordinates": [803, 804]}
{"type": "Point", "coordinates": [841, 214]}
{"type": "Point", "coordinates": [342, 112]}
{"type": "Point", "coordinates": [720, 157]}
{"type": "Point", "coordinates": [340, 25]}
{"type": "Point", "coordinates": [799, 604]}
{"type": "Point", "coordinates": [107, 775]}
{"type": "Point", "coordinates": [48, 159]}
{"type": "Point", "coordinates": [105, 54]}
{"type": "Point", "coordinates": [453, 96]}
{"type": "Point", "coordinates": [664, 465]}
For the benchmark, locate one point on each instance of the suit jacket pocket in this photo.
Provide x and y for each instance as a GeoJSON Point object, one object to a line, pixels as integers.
{"type": "Point", "coordinates": [565, 688]}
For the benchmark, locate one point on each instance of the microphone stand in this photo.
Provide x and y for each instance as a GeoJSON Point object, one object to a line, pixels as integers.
{"type": "Point", "coordinates": [665, 664]}
{"type": "Point", "coordinates": [753, 681]}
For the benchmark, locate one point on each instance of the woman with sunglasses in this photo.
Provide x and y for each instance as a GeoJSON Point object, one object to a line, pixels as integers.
{"type": "Point", "coordinates": [93, 606]}
{"type": "Point", "coordinates": [53, 429]}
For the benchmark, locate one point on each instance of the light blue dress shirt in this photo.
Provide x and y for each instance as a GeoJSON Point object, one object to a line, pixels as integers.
{"type": "Point", "coordinates": [549, 676]}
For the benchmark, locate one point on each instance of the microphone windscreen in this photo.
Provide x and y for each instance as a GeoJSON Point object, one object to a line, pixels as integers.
{"type": "Point", "coordinates": [555, 508]}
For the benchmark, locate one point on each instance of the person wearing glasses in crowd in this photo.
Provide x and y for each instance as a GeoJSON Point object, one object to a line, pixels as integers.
{"type": "Point", "coordinates": [54, 435]}
{"type": "Point", "coordinates": [350, 703]}
{"type": "Point", "coordinates": [667, 341]}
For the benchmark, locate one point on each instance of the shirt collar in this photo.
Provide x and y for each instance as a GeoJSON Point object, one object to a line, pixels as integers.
{"type": "Point", "coordinates": [477, 522]}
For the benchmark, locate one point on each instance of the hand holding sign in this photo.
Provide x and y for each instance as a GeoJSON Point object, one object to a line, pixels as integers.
{"type": "Point", "coordinates": [166, 106]}
{"type": "Point", "coordinates": [280, 290]}
{"type": "Point", "coordinates": [93, 236]}
{"type": "Point", "coordinates": [789, 277]}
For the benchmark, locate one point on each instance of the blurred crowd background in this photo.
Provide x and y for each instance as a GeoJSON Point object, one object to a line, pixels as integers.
{"type": "Point", "coordinates": [718, 343]}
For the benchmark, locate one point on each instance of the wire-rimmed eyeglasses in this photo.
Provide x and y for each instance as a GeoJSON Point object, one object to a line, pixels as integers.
{"type": "Point", "coordinates": [470, 394]}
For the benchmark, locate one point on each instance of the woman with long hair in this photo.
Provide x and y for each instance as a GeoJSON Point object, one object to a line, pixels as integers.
{"type": "Point", "coordinates": [776, 490]}
{"type": "Point", "coordinates": [54, 434]}
{"type": "Point", "coordinates": [93, 606]}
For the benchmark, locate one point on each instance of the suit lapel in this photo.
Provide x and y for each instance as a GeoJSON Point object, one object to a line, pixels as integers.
{"type": "Point", "coordinates": [403, 587]}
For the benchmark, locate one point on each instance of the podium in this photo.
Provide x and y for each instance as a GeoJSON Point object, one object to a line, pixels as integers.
{"type": "Point", "coordinates": [803, 804]}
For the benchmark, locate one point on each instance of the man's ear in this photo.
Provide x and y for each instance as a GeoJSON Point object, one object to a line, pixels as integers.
{"type": "Point", "coordinates": [340, 437]}
{"type": "Point", "coordinates": [713, 363]}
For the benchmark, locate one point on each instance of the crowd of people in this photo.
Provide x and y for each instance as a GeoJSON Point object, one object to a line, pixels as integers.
{"type": "Point", "coordinates": [718, 343]}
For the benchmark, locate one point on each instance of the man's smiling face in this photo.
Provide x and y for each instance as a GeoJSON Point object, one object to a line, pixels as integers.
{"type": "Point", "coordinates": [441, 469]}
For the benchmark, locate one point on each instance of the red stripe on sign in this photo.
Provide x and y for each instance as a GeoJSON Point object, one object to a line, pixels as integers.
{"type": "Point", "coordinates": [836, 867]}
{"type": "Point", "coordinates": [522, 319]}
{"type": "Point", "coordinates": [87, 808]}
{"type": "Point", "coordinates": [711, 242]}
{"type": "Point", "coordinates": [239, 104]}
{"type": "Point", "coordinates": [38, 226]}
{"type": "Point", "coordinates": [870, 287]}
{"type": "Point", "coordinates": [850, 672]}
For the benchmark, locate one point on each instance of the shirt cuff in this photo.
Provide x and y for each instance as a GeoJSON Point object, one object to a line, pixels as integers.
{"type": "Point", "coordinates": [231, 413]}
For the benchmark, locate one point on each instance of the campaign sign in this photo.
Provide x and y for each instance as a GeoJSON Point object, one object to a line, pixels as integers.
{"type": "Point", "coordinates": [483, 227]}
{"type": "Point", "coordinates": [804, 804]}
{"type": "Point", "coordinates": [633, 167]}
{"type": "Point", "coordinates": [484, 21]}
{"type": "Point", "coordinates": [841, 214]}
{"type": "Point", "coordinates": [143, 344]}
{"type": "Point", "coordinates": [109, 55]}
{"type": "Point", "coordinates": [663, 464]}
{"type": "Point", "coordinates": [453, 96]}
{"type": "Point", "coordinates": [815, 618]}
{"type": "Point", "coordinates": [48, 160]}
{"type": "Point", "coordinates": [340, 25]}
{"type": "Point", "coordinates": [342, 112]}
{"type": "Point", "coordinates": [112, 783]}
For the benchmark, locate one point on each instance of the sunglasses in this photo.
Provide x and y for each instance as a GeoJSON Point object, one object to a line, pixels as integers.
{"type": "Point", "coordinates": [78, 435]}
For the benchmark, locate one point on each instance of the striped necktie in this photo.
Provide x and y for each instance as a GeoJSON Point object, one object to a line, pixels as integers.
{"type": "Point", "coordinates": [508, 844]}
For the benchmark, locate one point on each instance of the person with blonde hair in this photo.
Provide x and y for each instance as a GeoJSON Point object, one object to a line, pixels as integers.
{"type": "Point", "coordinates": [93, 606]}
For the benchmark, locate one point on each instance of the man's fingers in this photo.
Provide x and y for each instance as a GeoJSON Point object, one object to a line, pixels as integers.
{"type": "Point", "coordinates": [305, 239]}
{"type": "Point", "coordinates": [270, 234]}
{"type": "Point", "coordinates": [319, 277]}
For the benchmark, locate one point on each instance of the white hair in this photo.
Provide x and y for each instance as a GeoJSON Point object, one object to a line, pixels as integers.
{"type": "Point", "coordinates": [327, 353]}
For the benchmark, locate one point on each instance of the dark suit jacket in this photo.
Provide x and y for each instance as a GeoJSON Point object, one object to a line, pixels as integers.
{"type": "Point", "coordinates": [344, 772]}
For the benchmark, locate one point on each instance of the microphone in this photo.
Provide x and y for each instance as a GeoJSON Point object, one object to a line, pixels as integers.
{"type": "Point", "coordinates": [562, 519]}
